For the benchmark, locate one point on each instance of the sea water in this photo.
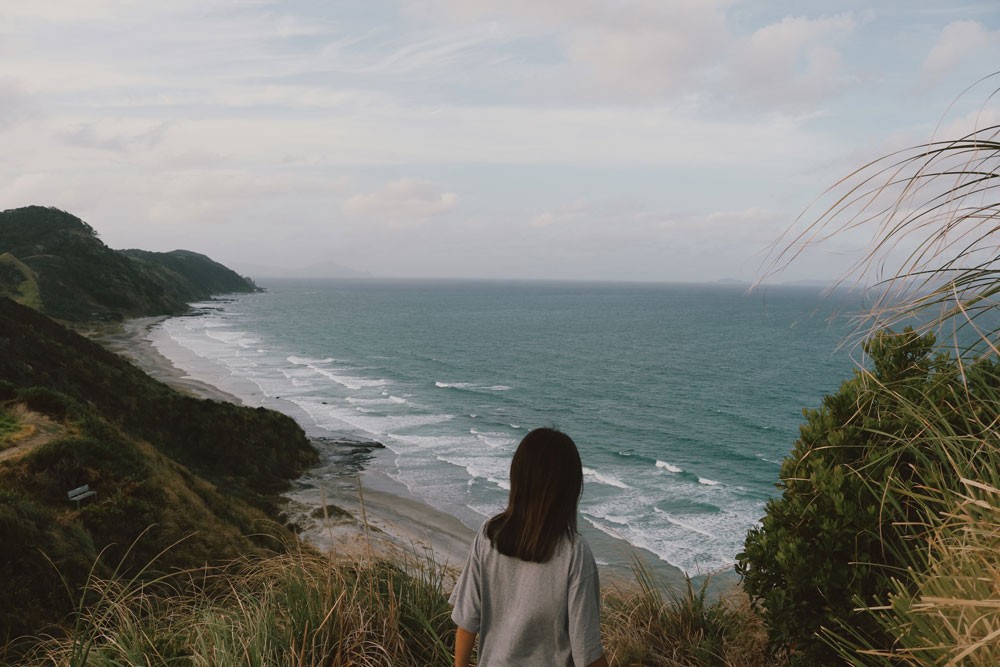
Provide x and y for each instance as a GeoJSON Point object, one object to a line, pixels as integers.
{"type": "Point", "coordinates": [683, 399]}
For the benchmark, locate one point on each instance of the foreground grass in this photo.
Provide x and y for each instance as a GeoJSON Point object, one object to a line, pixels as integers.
{"type": "Point", "coordinates": [10, 425]}
{"type": "Point", "coordinates": [309, 609]}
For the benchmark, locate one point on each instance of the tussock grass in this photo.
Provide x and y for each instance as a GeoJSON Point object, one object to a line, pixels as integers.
{"type": "Point", "coordinates": [933, 212]}
{"type": "Point", "coordinates": [300, 608]}
{"type": "Point", "coordinates": [653, 625]}
{"type": "Point", "coordinates": [306, 608]}
{"type": "Point", "coordinates": [949, 611]}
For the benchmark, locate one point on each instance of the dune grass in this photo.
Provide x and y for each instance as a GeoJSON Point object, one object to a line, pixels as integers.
{"type": "Point", "coordinates": [933, 214]}
{"type": "Point", "coordinates": [945, 609]}
{"type": "Point", "coordinates": [306, 608]}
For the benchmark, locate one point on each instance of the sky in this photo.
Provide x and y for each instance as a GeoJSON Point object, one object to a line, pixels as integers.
{"type": "Point", "coordinates": [637, 140]}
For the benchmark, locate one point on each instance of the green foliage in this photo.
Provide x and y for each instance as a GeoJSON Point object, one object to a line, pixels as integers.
{"type": "Point", "coordinates": [838, 536]}
{"type": "Point", "coordinates": [18, 281]}
{"type": "Point", "coordinates": [254, 452]}
{"type": "Point", "coordinates": [9, 424]}
{"type": "Point", "coordinates": [49, 402]}
{"type": "Point", "coordinates": [36, 548]}
{"type": "Point", "coordinates": [165, 466]}
{"type": "Point", "coordinates": [67, 270]}
{"type": "Point", "coordinates": [190, 275]}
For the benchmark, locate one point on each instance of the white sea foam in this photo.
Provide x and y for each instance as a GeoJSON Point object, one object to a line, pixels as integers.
{"type": "Point", "coordinates": [604, 478]}
{"type": "Point", "coordinates": [350, 381]}
{"type": "Point", "coordinates": [492, 439]}
{"type": "Point", "coordinates": [686, 525]}
{"type": "Point", "coordinates": [470, 386]}
{"type": "Point", "coordinates": [668, 466]}
{"type": "Point", "coordinates": [700, 524]}
{"type": "Point", "coordinates": [306, 361]}
{"type": "Point", "coordinates": [388, 400]}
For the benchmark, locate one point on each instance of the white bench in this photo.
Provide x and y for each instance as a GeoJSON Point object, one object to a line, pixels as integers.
{"type": "Point", "coordinates": [80, 493]}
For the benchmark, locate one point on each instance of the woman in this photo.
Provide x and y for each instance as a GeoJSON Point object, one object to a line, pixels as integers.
{"type": "Point", "coordinates": [530, 589]}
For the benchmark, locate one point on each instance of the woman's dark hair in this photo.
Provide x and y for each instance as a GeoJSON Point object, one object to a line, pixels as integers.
{"type": "Point", "coordinates": [546, 480]}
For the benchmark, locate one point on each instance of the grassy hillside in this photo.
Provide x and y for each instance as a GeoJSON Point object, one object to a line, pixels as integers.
{"type": "Point", "coordinates": [166, 468]}
{"type": "Point", "coordinates": [75, 277]}
{"type": "Point", "coordinates": [19, 282]}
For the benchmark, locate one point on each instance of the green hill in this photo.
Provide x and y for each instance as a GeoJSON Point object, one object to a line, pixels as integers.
{"type": "Point", "coordinates": [165, 467]}
{"type": "Point", "coordinates": [75, 277]}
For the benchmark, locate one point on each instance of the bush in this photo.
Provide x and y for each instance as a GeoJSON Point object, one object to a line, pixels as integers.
{"type": "Point", "coordinates": [839, 535]}
{"type": "Point", "coordinates": [49, 402]}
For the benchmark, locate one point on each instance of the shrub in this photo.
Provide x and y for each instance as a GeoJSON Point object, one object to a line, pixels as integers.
{"type": "Point", "coordinates": [49, 402]}
{"type": "Point", "coordinates": [839, 535]}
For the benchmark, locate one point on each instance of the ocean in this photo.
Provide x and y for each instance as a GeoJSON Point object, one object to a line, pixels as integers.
{"type": "Point", "coordinates": [683, 399]}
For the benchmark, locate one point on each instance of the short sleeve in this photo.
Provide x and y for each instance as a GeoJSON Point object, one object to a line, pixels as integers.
{"type": "Point", "coordinates": [466, 599]}
{"type": "Point", "coordinates": [584, 607]}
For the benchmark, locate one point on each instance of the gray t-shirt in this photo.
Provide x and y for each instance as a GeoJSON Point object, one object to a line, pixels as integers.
{"type": "Point", "coordinates": [531, 614]}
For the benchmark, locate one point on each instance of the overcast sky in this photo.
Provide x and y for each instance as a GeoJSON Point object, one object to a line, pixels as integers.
{"type": "Point", "coordinates": [578, 139]}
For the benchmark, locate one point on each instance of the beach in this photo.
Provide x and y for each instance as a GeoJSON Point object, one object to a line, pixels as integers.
{"type": "Point", "coordinates": [422, 392]}
{"type": "Point", "coordinates": [356, 513]}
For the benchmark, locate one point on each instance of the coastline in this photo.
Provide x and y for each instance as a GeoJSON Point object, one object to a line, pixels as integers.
{"type": "Point", "coordinates": [341, 505]}
{"type": "Point", "coordinates": [364, 514]}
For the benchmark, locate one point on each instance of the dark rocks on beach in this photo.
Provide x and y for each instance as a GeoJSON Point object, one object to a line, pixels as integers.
{"type": "Point", "coordinates": [348, 441]}
{"type": "Point", "coordinates": [348, 453]}
{"type": "Point", "coordinates": [333, 513]}
{"type": "Point", "coordinates": [352, 445]}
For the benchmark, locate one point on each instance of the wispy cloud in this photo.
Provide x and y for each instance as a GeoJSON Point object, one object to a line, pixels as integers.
{"type": "Point", "coordinates": [403, 202]}
{"type": "Point", "coordinates": [958, 42]}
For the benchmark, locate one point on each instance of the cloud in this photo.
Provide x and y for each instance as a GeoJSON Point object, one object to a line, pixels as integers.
{"type": "Point", "coordinates": [15, 103]}
{"type": "Point", "coordinates": [403, 202]}
{"type": "Point", "coordinates": [957, 42]}
{"type": "Point", "coordinates": [93, 135]}
{"type": "Point", "coordinates": [790, 64]}
{"type": "Point", "coordinates": [638, 48]}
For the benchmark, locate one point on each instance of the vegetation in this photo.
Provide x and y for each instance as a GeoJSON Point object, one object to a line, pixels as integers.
{"type": "Point", "coordinates": [883, 549]}
{"type": "Point", "coordinates": [53, 261]}
{"type": "Point", "coordinates": [653, 624]}
{"type": "Point", "coordinates": [302, 608]}
{"type": "Point", "coordinates": [19, 282]}
{"type": "Point", "coordinates": [9, 425]}
{"type": "Point", "coordinates": [850, 511]}
{"type": "Point", "coordinates": [909, 573]}
{"type": "Point", "coordinates": [177, 470]}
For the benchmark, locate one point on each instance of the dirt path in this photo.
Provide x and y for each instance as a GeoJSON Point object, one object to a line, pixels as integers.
{"type": "Point", "coordinates": [36, 430]}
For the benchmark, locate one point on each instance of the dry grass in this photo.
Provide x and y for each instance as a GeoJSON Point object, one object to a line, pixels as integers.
{"type": "Point", "coordinates": [307, 608]}
{"type": "Point", "coordinates": [656, 626]}
{"type": "Point", "coordinates": [933, 212]}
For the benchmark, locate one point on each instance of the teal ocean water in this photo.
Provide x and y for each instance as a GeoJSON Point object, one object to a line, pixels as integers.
{"type": "Point", "coordinates": [682, 399]}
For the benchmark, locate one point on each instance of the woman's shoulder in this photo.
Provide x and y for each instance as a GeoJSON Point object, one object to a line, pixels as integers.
{"type": "Point", "coordinates": [581, 557]}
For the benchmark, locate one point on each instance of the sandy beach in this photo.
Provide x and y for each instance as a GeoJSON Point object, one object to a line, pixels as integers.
{"type": "Point", "coordinates": [355, 512]}
{"type": "Point", "coordinates": [340, 505]}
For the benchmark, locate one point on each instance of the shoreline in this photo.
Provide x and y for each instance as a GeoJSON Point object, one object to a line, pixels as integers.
{"type": "Point", "coordinates": [342, 506]}
{"type": "Point", "coordinates": [364, 514]}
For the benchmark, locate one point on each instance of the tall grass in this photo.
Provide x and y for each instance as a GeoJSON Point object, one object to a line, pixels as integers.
{"type": "Point", "coordinates": [949, 613]}
{"type": "Point", "coordinates": [299, 609]}
{"type": "Point", "coordinates": [306, 608]}
{"type": "Point", "coordinates": [653, 625]}
{"type": "Point", "coordinates": [933, 214]}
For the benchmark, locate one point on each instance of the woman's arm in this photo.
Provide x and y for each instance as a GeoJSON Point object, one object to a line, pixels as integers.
{"type": "Point", "coordinates": [464, 641]}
